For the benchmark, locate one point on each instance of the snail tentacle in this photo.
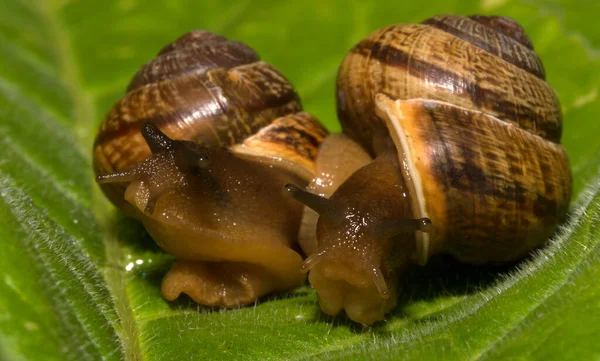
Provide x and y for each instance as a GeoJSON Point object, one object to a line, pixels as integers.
{"type": "Point", "coordinates": [319, 204]}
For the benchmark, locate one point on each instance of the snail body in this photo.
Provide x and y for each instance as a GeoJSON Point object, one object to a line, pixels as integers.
{"type": "Point", "coordinates": [454, 147]}
{"type": "Point", "coordinates": [199, 149]}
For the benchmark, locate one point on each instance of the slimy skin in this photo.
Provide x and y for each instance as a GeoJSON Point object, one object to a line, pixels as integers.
{"type": "Point", "coordinates": [364, 231]}
{"type": "Point", "coordinates": [223, 217]}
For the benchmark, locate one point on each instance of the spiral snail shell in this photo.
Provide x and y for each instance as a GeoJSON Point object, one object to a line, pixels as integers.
{"type": "Point", "coordinates": [451, 145]}
{"type": "Point", "coordinates": [199, 149]}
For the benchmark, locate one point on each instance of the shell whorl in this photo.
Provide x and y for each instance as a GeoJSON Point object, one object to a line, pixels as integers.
{"type": "Point", "coordinates": [198, 52]}
{"type": "Point", "coordinates": [481, 63]}
{"type": "Point", "coordinates": [497, 35]}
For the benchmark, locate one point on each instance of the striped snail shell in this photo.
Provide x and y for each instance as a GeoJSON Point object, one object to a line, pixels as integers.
{"type": "Point", "coordinates": [451, 145]}
{"type": "Point", "coordinates": [199, 149]}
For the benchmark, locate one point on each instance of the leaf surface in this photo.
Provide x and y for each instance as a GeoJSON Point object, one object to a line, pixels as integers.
{"type": "Point", "coordinates": [79, 281]}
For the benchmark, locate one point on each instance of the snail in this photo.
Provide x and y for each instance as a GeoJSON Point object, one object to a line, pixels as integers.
{"type": "Point", "coordinates": [450, 144]}
{"type": "Point", "coordinates": [199, 149]}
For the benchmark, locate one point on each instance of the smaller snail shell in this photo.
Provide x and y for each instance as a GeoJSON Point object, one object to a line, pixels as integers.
{"type": "Point", "coordinates": [202, 88]}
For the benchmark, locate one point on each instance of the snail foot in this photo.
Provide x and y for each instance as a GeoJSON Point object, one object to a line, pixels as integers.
{"type": "Point", "coordinates": [217, 284]}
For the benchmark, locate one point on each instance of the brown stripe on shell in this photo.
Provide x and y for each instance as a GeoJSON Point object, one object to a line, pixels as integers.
{"type": "Point", "coordinates": [511, 45]}
{"type": "Point", "coordinates": [419, 61]}
{"type": "Point", "coordinates": [463, 71]}
{"type": "Point", "coordinates": [293, 138]}
{"type": "Point", "coordinates": [490, 208]}
{"type": "Point", "coordinates": [195, 52]}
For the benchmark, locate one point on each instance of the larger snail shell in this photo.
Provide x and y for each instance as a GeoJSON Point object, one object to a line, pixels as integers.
{"type": "Point", "coordinates": [475, 132]}
{"type": "Point", "coordinates": [199, 149]}
{"type": "Point", "coordinates": [494, 191]}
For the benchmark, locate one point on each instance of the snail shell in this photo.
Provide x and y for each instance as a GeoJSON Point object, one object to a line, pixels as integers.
{"type": "Point", "coordinates": [199, 149]}
{"type": "Point", "coordinates": [465, 134]}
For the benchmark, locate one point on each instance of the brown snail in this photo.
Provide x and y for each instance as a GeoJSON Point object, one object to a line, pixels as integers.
{"type": "Point", "coordinates": [199, 149]}
{"type": "Point", "coordinates": [452, 144]}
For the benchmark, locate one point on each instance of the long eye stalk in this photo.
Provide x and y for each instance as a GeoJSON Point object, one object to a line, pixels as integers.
{"type": "Point", "coordinates": [317, 203]}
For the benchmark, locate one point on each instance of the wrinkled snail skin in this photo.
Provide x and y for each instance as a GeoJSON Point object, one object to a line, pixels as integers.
{"type": "Point", "coordinates": [199, 150]}
{"type": "Point", "coordinates": [476, 169]}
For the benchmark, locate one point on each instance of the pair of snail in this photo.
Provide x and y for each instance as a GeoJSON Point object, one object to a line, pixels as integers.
{"type": "Point", "coordinates": [451, 143]}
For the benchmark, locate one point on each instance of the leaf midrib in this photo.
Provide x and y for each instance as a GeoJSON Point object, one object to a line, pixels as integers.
{"type": "Point", "coordinates": [83, 115]}
{"type": "Point", "coordinates": [15, 203]}
{"type": "Point", "coordinates": [84, 111]}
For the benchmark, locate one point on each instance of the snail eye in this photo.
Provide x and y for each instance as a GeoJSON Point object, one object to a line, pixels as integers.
{"type": "Point", "coordinates": [203, 162]}
{"type": "Point", "coordinates": [198, 164]}
{"type": "Point", "coordinates": [191, 159]}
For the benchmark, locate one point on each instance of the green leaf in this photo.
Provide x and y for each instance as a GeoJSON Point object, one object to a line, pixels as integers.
{"type": "Point", "coordinates": [79, 281]}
